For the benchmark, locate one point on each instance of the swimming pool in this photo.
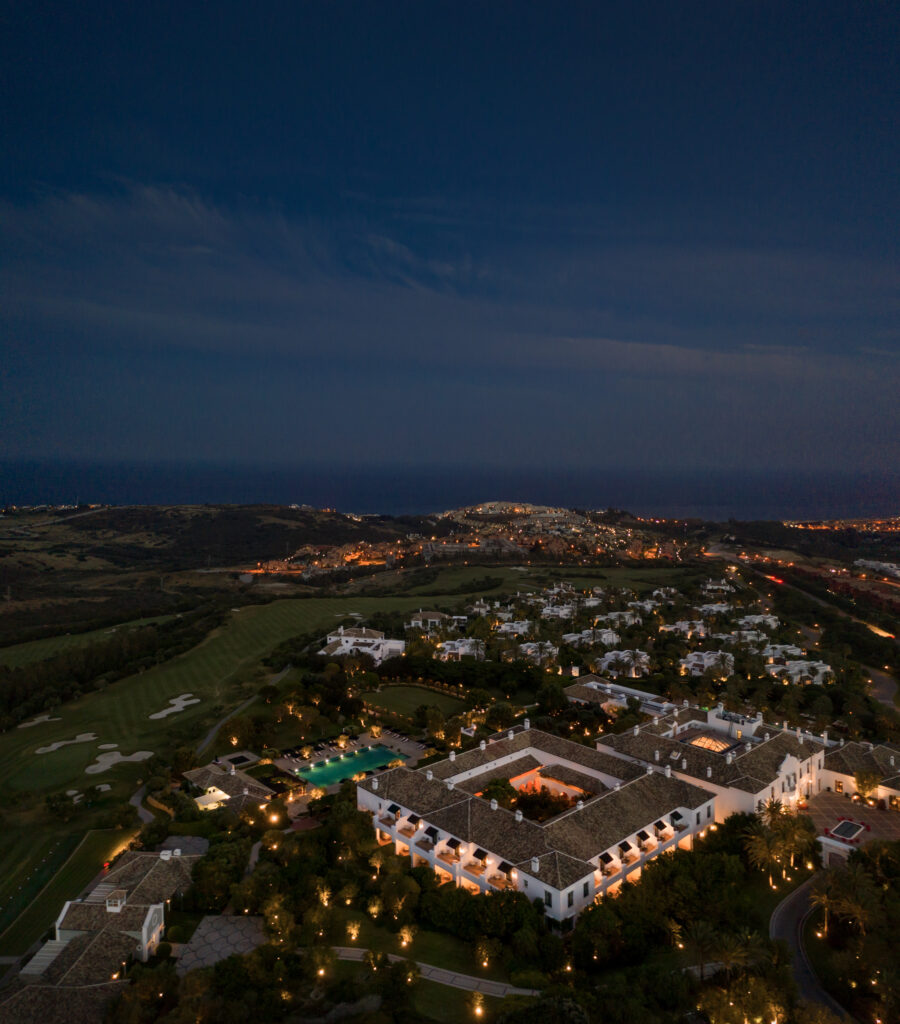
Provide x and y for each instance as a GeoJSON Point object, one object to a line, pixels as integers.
{"type": "Point", "coordinates": [345, 766]}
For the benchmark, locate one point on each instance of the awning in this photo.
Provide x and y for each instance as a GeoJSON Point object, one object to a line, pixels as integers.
{"type": "Point", "coordinates": [643, 836]}
{"type": "Point", "coordinates": [607, 858]}
{"type": "Point", "coordinates": [659, 824]}
{"type": "Point", "coordinates": [505, 867]}
{"type": "Point", "coordinates": [453, 843]}
{"type": "Point", "coordinates": [480, 854]}
{"type": "Point", "coordinates": [432, 832]}
{"type": "Point", "coordinates": [414, 819]}
{"type": "Point", "coordinates": [625, 847]}
{"type": "Point", "coordinates": [675, 816]}
{"type": "Point", "coordinates": [393, 808]}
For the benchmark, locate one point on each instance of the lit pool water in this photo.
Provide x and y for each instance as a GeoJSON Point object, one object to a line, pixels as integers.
{"type": "Point", "coordinates": [346, 766]}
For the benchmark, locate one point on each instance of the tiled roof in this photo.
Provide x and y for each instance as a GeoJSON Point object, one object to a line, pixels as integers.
{"type": "Point", "coordinates": [51, 1005]}
{"type": "Point", "coordinates": [571, 777]}
{"type": "Point", "coordinates": [857, 757]}
{"type": "Point", "coordinates": [540, 741]}
{"type": "Point", "coordinates": [619, 813]}
{"type": "Point", "coordinates": [231, 782]}
{"type": "Point", "coordinates": [520, 766]}
{"type": "Point", "coordinates": [751, 771]}
{"type": "Point", "coordinates": [411, 789]}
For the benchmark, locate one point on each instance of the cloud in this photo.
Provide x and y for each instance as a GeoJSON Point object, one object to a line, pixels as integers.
{"type": "Point", "coordinates": [552, 342]}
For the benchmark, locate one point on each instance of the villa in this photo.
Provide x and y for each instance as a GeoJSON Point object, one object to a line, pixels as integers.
{"type": "Point", "coordinates": [743, 761]}
{"type": "Point", "coordinates": [589, 637]}
{"type": "Point", "coordinates": [620, 817]}
{"type": "Point", "coordinates": [428, 621]}
{"type": "Point", "coordinates": [598, 692]}
{"type": "Point", "coordinates": [223, 784]}
{"type": "Point", "coordinates": [359, 640]}
{"type": "Point", "coordinates": [757, 621]}
{"type": "Point", "coordinates": [815, 672]}
{"type": "Point", "coordinates": [698, 662]}
{"type": "Point", "coordinates": [880, 762]}
{"type": "Point", "coordinates": [685, 628]}
{"type": "Point", "coordinates": [624, 663]}
{"type": "Point", "coordinates": [455, 650]}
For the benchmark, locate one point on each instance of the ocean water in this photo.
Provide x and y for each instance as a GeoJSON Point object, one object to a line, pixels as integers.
{"type": "Point", "coordinates": [392, 490]}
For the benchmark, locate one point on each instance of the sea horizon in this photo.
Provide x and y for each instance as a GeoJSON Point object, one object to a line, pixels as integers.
{"type": "Point", "coordinates": [715, 495]}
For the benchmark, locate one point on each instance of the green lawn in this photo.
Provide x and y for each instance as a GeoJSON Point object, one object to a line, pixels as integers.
{"type": "Point", "coordinates": [38, 650]}
{"type": "Point", "coordinates": [404, 700]}
{"type": "Point", "coordinates": [82, 865]}
{"type": "Point", "coordinates": [427, 947]}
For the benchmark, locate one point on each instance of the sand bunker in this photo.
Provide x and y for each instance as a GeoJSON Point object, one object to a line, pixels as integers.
{"type": "Point", "coordinates": [37, 721]}
{"type": "Point", "coordinates": [178, 704]}
{"type": "Point", "coordinates": [107, 760]}
{"type": "Point", "coordinates": [107, 746]}
{"type": "Point", "coordinates": [103, 787]}
{"type": "Point", "coordinates": [82, 737]}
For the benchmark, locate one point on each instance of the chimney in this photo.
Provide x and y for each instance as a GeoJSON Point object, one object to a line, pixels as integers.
{"type": "Point", "coordinates": [231, 769]}
{"type": "Point", "coordinates": [800, 737]}
{"type": "Point", "coordinates": [519, 815]}
{"type": "Point", "coordinates": [246, 791]}
{"type": "Point", "coordinates": [668, 771]}
{"type": "Point", "coordinates": [494, 805]}
{"type": "Point", "coordinates": [842, 741]}
{"type": "Point", "coordinates": [748, 747]}
{"type": "Point", "coordinates": [649, 769]}
{"type": "Point", "coordinates": [452, 755]}
{"type": "Point", "coordinates": [449, 784]}
{"type": "Point", "coordinates": [535, 865]}
{"type": "Point", "coordinates": [720, 706]}
{"type": "Point", "coordinates": [429, 775]}
{"type": "Point", "coordinates": [655, 755]}
{"type": "Point", "coordinates": [709, 771]}
{"type": "Point", "coordinates": [375, 784]}
{"type": "Point", "coordinates": [510, 734]}
{"type": "Point", "coordinates": [892, 760]}
{"type": "Point", "coordinates": [618, 786]}
{"type": "Point", "coordinates": [482, 745]}
{"type": "Point", "coordinates": [729, 757]}
{"type": "Point", "coordinates": [759, 716]}
{"type": "Point", "coordinates": [768, 735]}
{"type": "Point", "coordinates": [579, 806]}
{"type": "Point", "coordinates": [825, 736]}
{"type": "Point", "coordinates": [684, 764]}
{"type": "Point", "coordinates": [527, 724]}
{"type": "Point", "coordinates": [637, 729]}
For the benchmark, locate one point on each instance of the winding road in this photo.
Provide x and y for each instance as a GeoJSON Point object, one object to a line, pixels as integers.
{"type": "Point", "coordinates": [787, 923]}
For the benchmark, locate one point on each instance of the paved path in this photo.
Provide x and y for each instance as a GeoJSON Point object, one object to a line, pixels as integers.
{"type": "Point", "coordinates": [211, 735]}
{"type": "Point", "coordinates": [884, 686]}
{"type": "Point", "coordinates": [218, 937]}
{"type": "Point", "coordinates": [137, 801]}
{"type": "Point", "coordinates": [444, 977]}
{"type": "Point", "coordinates": [787, 923]}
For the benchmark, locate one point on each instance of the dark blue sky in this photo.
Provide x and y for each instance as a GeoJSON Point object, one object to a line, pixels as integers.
{"type": "Point", "coordinates": [576, 235]}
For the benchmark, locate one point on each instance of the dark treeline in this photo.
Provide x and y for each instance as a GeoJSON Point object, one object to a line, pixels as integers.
{"type": "Point", "coordinates": [44, 685]}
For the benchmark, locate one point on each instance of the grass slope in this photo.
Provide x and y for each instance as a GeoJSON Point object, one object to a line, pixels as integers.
{"type": "Point", "coordinates": [39, 650]}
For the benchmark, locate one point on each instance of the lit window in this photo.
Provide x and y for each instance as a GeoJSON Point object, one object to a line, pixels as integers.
{"type": "Point", "coordinates": [839, 786]}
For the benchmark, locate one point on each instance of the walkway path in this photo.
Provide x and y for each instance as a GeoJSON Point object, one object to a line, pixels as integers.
{"type": "Point", "coordinates": [137, 801]}
{"type": "Point", "coordinates": [444, 977]}
{"type": "Point", "coordinates": [884, 686]}
{"type": "Point", "coordinates": [787, 923]}
{"type": "Point", "coordinates": [218, 937]}
{"type": "Point", "coordinates": [211, 735]}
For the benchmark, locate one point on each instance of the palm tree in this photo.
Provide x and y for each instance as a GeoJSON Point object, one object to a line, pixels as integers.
{"type": "Point", "coordinates": [824, 894]}
{"type": "Point", "coordinates": [771, 812]}
{"type": "Point", "coordinates": [732, 953]}
{"type": "Point", "coordinates": [703, 941]}
{"type": "Point", "coordinates": [763, 848]}
{"type": "Point", "coordinates": [857, 897]}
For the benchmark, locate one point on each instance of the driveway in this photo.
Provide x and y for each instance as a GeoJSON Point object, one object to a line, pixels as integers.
{"type": "Point", "coordinates": [786, 924]}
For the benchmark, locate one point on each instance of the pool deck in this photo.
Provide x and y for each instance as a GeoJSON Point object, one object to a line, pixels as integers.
{"type": "Point", "coordinates": [409, 749]}
{"type": "Point", "coordinates": [826, 809]}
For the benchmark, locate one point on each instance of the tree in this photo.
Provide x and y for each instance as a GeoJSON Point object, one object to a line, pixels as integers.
{"type": "Point", "coordinates": [702, 940]}
{"type": "Point", "coordinates": [763, 850]}
{"type": "Point", "coordinates": [501, 790]}
{"type": "Point", "coordinates": [866, 782]}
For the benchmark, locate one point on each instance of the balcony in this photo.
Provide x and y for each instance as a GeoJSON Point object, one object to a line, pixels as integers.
{"type": "Point", "coordinates": [474, 867]}
{"type": "Point", "coordinates": [387, 821]}
{"type": "Point", "coordinates": [449, 857]}
{"type": "Point", "coordinates": [500, 882]}
{"type": "Point", "coordinates": [425, 845]}
{"type": "Point", "coordinates": [408, 830]}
